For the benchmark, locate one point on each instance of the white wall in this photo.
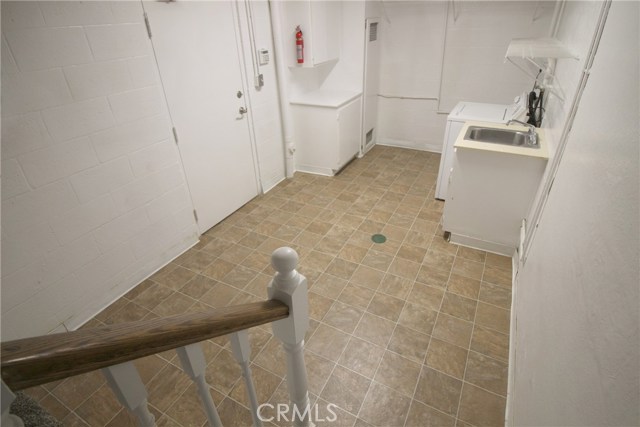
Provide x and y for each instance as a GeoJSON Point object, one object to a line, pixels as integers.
{"type": "Point", "coordinates": [472, 68]}
{"type": "Point", "coordinates": [577, 355]}
{"type": "Point", "coordinates": [93, 193]}
{"type": "Point", "coordinates": [344, 74]}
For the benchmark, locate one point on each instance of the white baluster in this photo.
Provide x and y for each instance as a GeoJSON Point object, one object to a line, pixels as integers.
{"type": "Point", "coordinates": [194, 364]}
{"type": "Point", "coordinates": [290, 287]}
{"type": "Point", "coordinates": [242, 353]}
{"type": "Point", "coordinates": [126, 384]}
{"type": "Point", "coordinates": [7, 419]}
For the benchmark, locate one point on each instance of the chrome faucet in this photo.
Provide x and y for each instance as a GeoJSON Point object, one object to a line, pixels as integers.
{"type": "Point", "coordinates": [533, 136]}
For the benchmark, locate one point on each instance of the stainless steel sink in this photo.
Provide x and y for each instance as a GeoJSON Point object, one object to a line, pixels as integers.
{"type": "Point", "coordinates": [500, 136]}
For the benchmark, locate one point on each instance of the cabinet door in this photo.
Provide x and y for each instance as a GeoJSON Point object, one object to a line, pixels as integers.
{"type": "Point", "coordinates": [326, 27]}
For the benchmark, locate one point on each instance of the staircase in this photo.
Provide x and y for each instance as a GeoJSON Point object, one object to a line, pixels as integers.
{"type": "Point", "coordinates": [112, 349]}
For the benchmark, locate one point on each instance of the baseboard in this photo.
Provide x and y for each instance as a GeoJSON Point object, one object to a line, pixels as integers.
{"type": "Point", "coordinates": [475, 243]}
{"type": "Point", "coordinates": [317, 170]}
{"type": "Point", "coordinates": [431, 147]}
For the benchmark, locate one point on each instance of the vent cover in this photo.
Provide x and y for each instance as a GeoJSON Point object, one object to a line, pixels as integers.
{"type": "Point", "coordinates": [373, 31]}
{"type": "Point", "coordinates": [369, 137]}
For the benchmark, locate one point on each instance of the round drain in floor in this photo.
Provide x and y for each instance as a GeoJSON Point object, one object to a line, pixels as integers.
{"type": "Point", "coordinates": [378, 238]}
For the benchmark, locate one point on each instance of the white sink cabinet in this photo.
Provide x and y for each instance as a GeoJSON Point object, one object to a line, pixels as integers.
{"type": "Point", "coordinates": [491, 189]}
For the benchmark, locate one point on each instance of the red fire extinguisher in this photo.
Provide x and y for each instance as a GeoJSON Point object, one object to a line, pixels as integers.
{"type": "Point", "coordinates": [299, 45]}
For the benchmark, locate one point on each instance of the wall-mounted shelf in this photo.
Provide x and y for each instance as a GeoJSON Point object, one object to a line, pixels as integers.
{"type": "Point", "coordinates": [531, 51]}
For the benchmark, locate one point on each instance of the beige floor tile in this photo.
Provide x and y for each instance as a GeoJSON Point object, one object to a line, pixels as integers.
{"type": "Point", "coordinates": [374, 329]}
{"type": "Point", "coordinates": [486, 373]}
{"type": "Point", "coordinates": [453, 330]}
{"type": "Point", "coordinates": [419, 318]}
{"type": "Point", "coordinates": [467, 268]}
{"type": "Point", "coordinates": [433, 277]}
{"type": "Point", "coordinates": [497, 276]}
{"type": "Point", "coordinates": [464, 286]}
{"type": "Point", "coordinates": [378, 260]}
{"type": "Point", "coordinates": [395, 286]}
{"type": "Point", "coordinates": [438, 260]}
{"type": "Point", "coordinates": [167, 386]}
{"type": "Point", "coordinates": [421, 415]}
{"type": "Point", "coordinates": [397, 372]}
{"type": "Point", "coordinates": [318, 371]}
{"type": "Point", "coordinates": [342, 268]}
{"type": "Point", "coordinates": [490, 342]}
{"type": "Point", "coordinates": [366, 301]}
{"type": "Point", "coordinates": [386, 306]}
{"type": "Point", "coordinates": [459, 306]}
{"type": "Point", "coordinates": [328, 342]}
{"type": "Point", "coordinates": [265, 384]}
{"type": "Point", "coordinates": [498, 261]}
{"type": "Point", "coordinates": [495, 294]}
{"type": "Point", "coordinates": [318, 306]}
{"type": "Point", "coordinates": [447, 358]}
{"type": "Point", "coordinates": [343, 317]}
{"type": "Point", "coordinates": [52, 405]}
{"type": "Point", "coordinates": [409, 343]}
{"type": "Point", "coordinates": [472, 254]}
{"type": "Point", "coordinates": [404, 268]}
{"type": "Point", "coordinates": [427, 296]}
{"type": "Point", "coordinates": [197, 287]}
{"type": "Point", "coordinates": [493, 317]}
{"type": "Point", "coordinates": [75, 390]}
{"type": "Point", "coordinates": [328, 285]}
{"type": "Point", "coordinates": [232, 413]}
{"type": "Point", "coordinates": [346, 389]}
{"type": "Point", "coordinates": [480, 407]}
{"type": "Point", "coordinates": [362, 357]}
{"type": "Point", "coordinates": [438, 390]}
{"type": "Point", "coordinates": [384, 406]}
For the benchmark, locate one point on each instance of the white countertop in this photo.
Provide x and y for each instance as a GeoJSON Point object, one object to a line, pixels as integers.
{"type": "Point", "coordinates": [542, 152]}
{"type": "Point", "coordinates": [325, 98]}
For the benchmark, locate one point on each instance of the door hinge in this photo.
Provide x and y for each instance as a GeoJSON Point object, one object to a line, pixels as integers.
{"type": "Point", "coordinates": [175, 134]}
{"type": "Point", "coordinates": [195, 215]}
{"type": "Point", "coordinates": [146, 22]}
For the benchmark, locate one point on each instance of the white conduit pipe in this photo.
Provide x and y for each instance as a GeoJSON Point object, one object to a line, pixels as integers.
{"type": "Point", "coordinates": [281, 73]}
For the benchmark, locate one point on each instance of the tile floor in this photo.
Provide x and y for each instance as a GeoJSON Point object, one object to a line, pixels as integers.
{"type": "Point", "coordinates": [411, 332]}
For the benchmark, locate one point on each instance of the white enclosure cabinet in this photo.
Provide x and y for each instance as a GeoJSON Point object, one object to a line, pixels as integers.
{"type": "Point", "coordinates": [491, 188]}
{"type": "Point", "coordinates": [321, 23]}
{"type": "Point", "coordinates": [327, 129]}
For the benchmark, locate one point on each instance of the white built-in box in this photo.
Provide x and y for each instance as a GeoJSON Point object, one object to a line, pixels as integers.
{"type": "Point", "coordinates": [327, 130]}
{"type": "Point", "coordinates": [321, 23]}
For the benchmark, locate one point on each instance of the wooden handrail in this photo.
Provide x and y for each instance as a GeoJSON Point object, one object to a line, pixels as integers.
{"type": "Point", "coordinates": [33, 361]}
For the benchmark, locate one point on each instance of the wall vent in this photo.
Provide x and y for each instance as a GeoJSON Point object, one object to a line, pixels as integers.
{"type": "Point", "coordinates": [373, 32]}
{"type": "Point", "coordinates": [369, 137]}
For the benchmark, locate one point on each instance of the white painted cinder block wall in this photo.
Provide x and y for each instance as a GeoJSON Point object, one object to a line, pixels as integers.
{"type": "Point", "coordinates": [93, 194]}
{"type": "Point", "coordinates": [577, 338]}
{"type": "Point", "coordinates": [473, 69]}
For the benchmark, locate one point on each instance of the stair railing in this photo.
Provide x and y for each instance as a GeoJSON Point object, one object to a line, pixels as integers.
{"type": "Point", "coordinates": [34, 361]}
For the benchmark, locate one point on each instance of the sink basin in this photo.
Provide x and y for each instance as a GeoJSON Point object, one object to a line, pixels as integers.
{"type": "Point", "coordinates": [499, 136]}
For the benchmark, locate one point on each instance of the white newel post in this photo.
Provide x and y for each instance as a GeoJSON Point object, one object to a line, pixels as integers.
{"type": "Point", "coordinates": [290, 287]}
{"type": "Point", "coordinates": [7, 397]}
{"type": "Point", "coordinates": [242, 353]}
{"type": "Point", "coordinates": [128, 387]}
{"type": "Point", "coordinates": [195, 365]}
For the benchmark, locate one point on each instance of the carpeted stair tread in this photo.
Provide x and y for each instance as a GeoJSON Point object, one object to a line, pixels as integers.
{"type": "Point", "coordinates": [32, 414]}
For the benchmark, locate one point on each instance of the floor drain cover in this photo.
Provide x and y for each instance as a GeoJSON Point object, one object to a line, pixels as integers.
{"type": "Point", "coordinates": [378, 238]}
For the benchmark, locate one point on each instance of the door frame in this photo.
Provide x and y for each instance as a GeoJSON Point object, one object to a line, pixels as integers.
{"type": "Point", "coordinates": [241, 57]}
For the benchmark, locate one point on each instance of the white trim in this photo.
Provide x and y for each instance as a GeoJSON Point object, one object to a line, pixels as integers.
{"type": "Point", "coordinates": [475, 243]}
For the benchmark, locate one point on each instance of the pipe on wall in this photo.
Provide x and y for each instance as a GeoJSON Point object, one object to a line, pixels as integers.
{"type": "Point", "coordinates": [275, 13]}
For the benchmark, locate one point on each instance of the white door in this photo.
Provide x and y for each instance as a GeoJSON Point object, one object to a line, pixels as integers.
{"type": "Point", "coordinates": [197, 54]}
